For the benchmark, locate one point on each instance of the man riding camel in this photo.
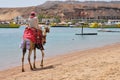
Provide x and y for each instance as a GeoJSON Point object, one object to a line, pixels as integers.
{"type": "Point", "coordinates": [33, 31]}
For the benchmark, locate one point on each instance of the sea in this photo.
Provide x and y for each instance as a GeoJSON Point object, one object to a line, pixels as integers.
{"type": "Point", "coordinates": [60, 40]}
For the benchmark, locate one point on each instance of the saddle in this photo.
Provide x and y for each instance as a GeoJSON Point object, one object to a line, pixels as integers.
{"type": "Point", "coordinates": [33, 34]}
{"type": "Point", "coordinates": [29, 33]}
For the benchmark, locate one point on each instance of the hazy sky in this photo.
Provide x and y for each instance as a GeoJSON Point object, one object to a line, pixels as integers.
{"type": "Point", "coordinates": [26, 3]}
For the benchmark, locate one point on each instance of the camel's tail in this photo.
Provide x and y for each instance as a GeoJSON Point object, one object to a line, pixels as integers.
{"type": "Point", "coordinates": [25, 44]}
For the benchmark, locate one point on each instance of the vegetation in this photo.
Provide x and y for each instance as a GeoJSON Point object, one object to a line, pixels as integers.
{"type": "Point", "coordinates": [11, 25]}
{"type": "Point", "coordinates": [109, 26]}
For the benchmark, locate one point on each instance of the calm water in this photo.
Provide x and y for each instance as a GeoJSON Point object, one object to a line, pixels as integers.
{"type": "Point", "coordinates": [59, 41]}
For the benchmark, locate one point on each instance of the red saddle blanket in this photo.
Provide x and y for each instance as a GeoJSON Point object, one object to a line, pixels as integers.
{"type": "Point", "coordinates": [33, 35]}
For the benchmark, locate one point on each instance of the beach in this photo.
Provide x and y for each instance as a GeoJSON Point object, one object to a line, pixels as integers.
{"type": "Point", "coordinates": [101, 63]}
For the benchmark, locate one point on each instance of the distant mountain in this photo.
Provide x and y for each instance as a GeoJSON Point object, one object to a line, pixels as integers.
{"type": "Point", "coordinates": [66, 8]}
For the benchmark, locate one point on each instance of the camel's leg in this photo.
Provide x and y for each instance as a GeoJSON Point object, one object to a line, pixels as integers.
{"type": "Point", "coordinates": [42, 58]}
{"type": "Point", "coordinates": [24, 51]}
{"type": "Point", "coordinates": [44, 40]}
{"type": "Point", "coordinates": [34, 58]}
{"type": "Point", "coordinates": [29, 55]}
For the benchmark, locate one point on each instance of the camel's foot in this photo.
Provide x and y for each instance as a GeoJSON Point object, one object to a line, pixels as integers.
{"type": "Point", "coordinates": [34, 67]}
{"type": "Point", "coordinates": [31, 68]}
{"type": "Point", "coordinates": [23, 70]}
{"type": "Point", "coordinates": [41, 65]}
{"type": "Point", "coordinates": [44, 42]}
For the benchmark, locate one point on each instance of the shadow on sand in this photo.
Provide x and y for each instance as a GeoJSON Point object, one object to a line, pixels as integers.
{"type": "Point", "coordinates": [46, 67]}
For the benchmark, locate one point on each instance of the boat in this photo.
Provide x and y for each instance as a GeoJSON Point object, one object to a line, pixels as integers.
{"type": "Point", "coordinates": [94, 25]}
{"type": "Point", "coordinates": [107, 30]}
{"type": "Point", "coordinates": [86, 34]}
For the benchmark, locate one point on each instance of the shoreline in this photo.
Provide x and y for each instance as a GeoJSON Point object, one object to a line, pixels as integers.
{"type": "Point", "coordinates": [101, 63]}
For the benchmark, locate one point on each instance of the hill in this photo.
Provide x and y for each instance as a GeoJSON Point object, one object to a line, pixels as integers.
{"type": "Point", "coordinates": [66, 9]}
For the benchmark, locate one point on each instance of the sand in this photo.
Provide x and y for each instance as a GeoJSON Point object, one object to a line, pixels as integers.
{"type": "Point", "coordinates": [94, 64]}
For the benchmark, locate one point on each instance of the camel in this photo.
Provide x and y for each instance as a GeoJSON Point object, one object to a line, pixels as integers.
{"type": "Point", "coordinates": [32, 47]}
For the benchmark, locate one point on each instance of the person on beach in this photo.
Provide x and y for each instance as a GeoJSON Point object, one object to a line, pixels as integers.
{"type": "Point", "coordinates": [33, 22]}
{"type": "Point", "coordinates": [47, 22]}
{"type": "Point", "coordinates": [31, 28]}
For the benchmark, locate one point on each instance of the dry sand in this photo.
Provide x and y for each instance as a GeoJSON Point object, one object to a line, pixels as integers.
{"type": "Point", "coordinates": [94, 64]}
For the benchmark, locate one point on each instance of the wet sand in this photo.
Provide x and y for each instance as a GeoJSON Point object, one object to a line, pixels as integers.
{"type": "Point", "coordinates": [94, 64]}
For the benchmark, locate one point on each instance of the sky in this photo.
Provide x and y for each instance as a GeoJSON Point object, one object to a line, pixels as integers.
{"type": "Point", "coordinates": [27, 3]}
